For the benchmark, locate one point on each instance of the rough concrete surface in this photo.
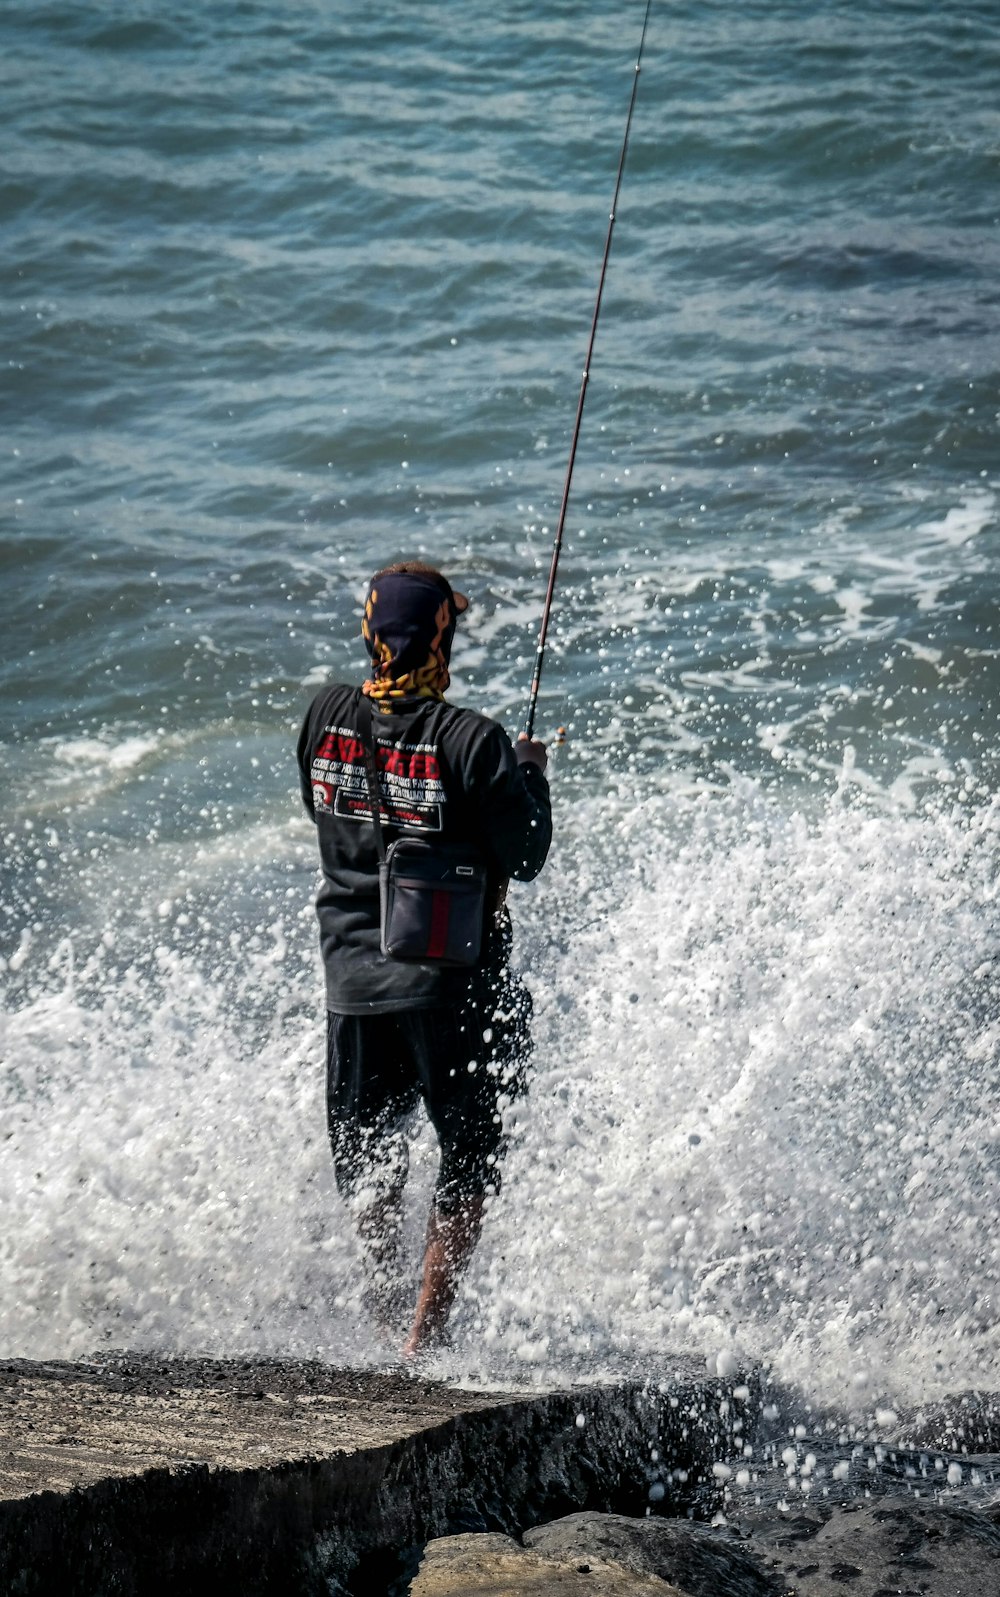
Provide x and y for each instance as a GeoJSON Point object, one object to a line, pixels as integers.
{"type": "Point", "coordinates": [71, 1425]}
{"type": "Point", "coordinates": [495, 1566]}
{"type": "Point", "coordinates": [138, 1475]}
{"type": "Point", "coordinates": [65, 1426]}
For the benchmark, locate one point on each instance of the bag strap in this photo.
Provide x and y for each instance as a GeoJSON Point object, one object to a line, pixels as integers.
{"type": "Point", "coordinates": [367, 736]}
{"type": "Point", "coordinates": [366, 733]}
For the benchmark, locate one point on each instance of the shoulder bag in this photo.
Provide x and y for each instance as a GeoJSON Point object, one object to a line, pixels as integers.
{"type": "Point", "coordinates": [432, 894]}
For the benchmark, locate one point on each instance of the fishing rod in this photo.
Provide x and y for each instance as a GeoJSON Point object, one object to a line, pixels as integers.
{"type": "Point", "coordinates": [529, 725]}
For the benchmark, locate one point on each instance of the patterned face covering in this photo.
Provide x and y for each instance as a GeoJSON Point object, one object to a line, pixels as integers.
{"type": "Point", "coordinates": [408, 625]}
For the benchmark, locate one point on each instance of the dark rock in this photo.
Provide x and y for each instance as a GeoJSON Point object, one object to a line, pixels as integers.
{"type": "Point", "coordinates": [964, 1422]}
{"type": "Point", "coordinates": [892, 1546]}
{"type": "Point", "coordinates": [702, 1561]}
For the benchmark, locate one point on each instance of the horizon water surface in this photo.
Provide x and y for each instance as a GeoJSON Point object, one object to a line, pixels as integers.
{"type": "Point", "coordinates": [292, 291]}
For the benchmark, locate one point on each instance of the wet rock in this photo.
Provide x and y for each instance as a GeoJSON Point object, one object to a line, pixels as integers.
{"type": "Point", "coordinates": [495, 1566]}
{"type": "Point", "coordinates": [897, 1547]}
{"type": "Point", "coordinates": [964, 1422]}
{"type": "Point", "coordinates": [701, 1561]}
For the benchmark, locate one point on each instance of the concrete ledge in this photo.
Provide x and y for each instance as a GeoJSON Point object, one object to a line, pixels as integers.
{"type": "Point", "coordinates": [145, 1476]}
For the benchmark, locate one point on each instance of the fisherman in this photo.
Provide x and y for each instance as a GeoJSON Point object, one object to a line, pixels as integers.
{"type": "Point", "coordinates": [401, 1030]}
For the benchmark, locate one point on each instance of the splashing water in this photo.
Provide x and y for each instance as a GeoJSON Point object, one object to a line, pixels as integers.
{"type": "Point", "coordinates": [768, 1115]}
{"type": "Point", "coordinates": [764, 1116]}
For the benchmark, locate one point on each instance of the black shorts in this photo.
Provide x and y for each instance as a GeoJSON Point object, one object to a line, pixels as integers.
{"type": "Point", "coordinates": [467, 1062]}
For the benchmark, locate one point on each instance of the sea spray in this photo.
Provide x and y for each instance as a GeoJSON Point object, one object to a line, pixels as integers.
{"type": "Point", "coordinates": [763, 1114]}
{"type": "Point", "coordinates": [765, 1109]}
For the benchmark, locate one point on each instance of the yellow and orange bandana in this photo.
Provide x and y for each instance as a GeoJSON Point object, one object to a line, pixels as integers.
{"type": "Point", "coordinates": [408, 624]}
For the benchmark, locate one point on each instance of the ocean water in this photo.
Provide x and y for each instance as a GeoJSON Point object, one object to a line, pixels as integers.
{"type": "Point", "coordinates": [290, 291]}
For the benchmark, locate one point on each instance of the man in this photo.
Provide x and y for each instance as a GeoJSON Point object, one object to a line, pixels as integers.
{"type": "Point", "coordinates": [402, 1030]}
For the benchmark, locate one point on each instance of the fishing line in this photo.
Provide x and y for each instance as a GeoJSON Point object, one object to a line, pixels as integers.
{"type": "Point", "coordinates": [529, 724]}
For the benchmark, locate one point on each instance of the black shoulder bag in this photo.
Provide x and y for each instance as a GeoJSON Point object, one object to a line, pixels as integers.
{"type": "Point", "coordinates": [432, 895]}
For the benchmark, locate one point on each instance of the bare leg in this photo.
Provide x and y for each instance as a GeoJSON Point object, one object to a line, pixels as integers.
{"type": "Point", "coordinates": [378, 1219]}
{"type": "Point", "coordinates": [451, 1240]}
{"type": "Point", "coordinates": [378, 1230]}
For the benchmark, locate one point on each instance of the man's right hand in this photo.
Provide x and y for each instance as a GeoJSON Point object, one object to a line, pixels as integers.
{"type": "Point", "coordinates": [530, 751]}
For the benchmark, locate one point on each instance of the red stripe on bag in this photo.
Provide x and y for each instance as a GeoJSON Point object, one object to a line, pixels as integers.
{"type": "Point", "coordinates": [437, 942]}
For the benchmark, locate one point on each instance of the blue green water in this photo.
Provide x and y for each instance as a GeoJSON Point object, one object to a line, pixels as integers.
{"type": "Point", "coordinates": [291, 291]}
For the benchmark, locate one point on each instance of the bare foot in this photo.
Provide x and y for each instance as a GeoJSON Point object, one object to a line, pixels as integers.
{"type": "Point", "coordinates": [422, 1341]}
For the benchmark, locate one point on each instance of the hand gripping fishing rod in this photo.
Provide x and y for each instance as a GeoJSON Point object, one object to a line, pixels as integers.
{"type": "Point", "coordinates": [529, 725]}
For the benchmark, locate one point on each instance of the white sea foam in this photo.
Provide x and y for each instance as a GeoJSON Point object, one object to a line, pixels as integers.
{"type": "Point", "coordinates": [167, 1184]}
{"type": "Point", "coordinates": [763, 1115]}
{"type": "Point", "coordinates": [773, 1107]}
{"type": "Point", "coordinates": [965, 520]}
{"type": "Point", "coordinates": [118, 755]}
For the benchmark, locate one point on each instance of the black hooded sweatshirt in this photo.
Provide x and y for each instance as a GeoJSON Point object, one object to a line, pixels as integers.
{"type": "Point", "coordinates": [445, 773]}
